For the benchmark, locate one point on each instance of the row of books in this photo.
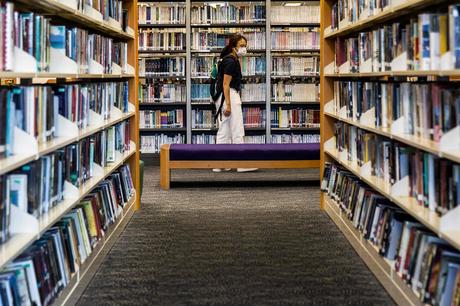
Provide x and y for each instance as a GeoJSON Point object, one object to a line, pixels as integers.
{"type": "Point", "coordinates": [428, 264]}
{"type": "Point", "coordinates": [254, 117]}
{"type": "Point", "coordinates": [33, 35]}
{"type": "Point", "coordinates": [253, 92]}
{"type": "Point", "coordinates": [201, 92]}
{"type": "Point", "coordinates": [295, 138]}
{"type": "Point", "coordinates": [160, 92]}
{"type": "Point", "coordinates": [426, 110]}
{"type": "Point", "coordinates": [294, 118]}
{"type": "Point", "coordinates": [202, 119]}
{"type": "Point", "coordinates": [250, 66]}
{"type": "Point", "coordinates": [292, 14]}
{"type": "Point", "coordinates": [428, 42]}
{"type": "Point", "coordinates": [152, 143]}
{"type": "Point", "coordinates": [166, 67]}
{"type": "Point", "coordinates": [286, 91]}
{"type": "Point", "coordinates": [295, 66]}
{"type": "Point", "coordinates": [157, 13]}
{"type": "Point", "coordinates": [345, 12]}
{"type": "Point", "coordinates": [48, 266]}
{"type": "Point", "coordinates": [168, 39]}
{"type": "Point", "coordinates": [110, 9]}
{"type": "Point", "coordinates": [295, 39]}
{"type": "Point", "coordinates": [38, 186]}
{"type": "Point", "coordinates": [206, 39]}
{"type": "Point", "coordinates": [433, 182]}
{"type": "Point", "coordinates": [35, 109]}
{"type": "Point", "coordinates": [161, 119]}
{"type": "Point", "coordinates": [227, 13]}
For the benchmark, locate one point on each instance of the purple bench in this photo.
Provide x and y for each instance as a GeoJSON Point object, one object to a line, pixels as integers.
{"type": "Point", "coordinates": [274, 156]}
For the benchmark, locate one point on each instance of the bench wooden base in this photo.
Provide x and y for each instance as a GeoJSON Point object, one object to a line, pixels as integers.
{"type": "Point", "coordinates": [166, 165]}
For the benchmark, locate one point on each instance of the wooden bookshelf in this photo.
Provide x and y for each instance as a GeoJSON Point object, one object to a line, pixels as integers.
{"type": "Point", "coordinates": [383, 269]}
{"type": "Point", "coordinates": [62, 14]}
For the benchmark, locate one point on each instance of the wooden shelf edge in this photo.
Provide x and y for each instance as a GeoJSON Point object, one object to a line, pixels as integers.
{"type": "Point", "coordinates": [428, 218]}
{"type": "Point", "coordinates": [10, 163]}
{"type": "Point", "coordinates": [79, 282]}
{"type": "Point", "coordinates": [410, 140]}
{"type": "Point", "coordinates": [397, 289]}
{"type": "Point", "coordinates": [22, 241]}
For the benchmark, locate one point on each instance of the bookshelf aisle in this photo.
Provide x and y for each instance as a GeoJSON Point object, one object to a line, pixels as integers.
{"type": "Point", "coordinates": [391, 141]}
{"type": "Point", "coordinates": [276, 107]}
{"type": "Point", "coordinates": [69, 164]}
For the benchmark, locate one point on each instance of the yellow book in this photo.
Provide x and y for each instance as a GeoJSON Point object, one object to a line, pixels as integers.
{"type": "Point", "coordinates": [90, 219]}
{"type": "Point", "coordinates": [443, 33]}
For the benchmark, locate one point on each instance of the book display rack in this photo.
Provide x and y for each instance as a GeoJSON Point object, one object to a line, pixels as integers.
{"type": "Point", "coordinates": [391, 140]}
{"type": "Point", "coordinates": [69, 159]}
{"type": "Point", "coordinates": [281, 71]}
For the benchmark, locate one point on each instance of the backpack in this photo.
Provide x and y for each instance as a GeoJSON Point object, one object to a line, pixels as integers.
{"type": "Point", "coordinates": [216, 85]}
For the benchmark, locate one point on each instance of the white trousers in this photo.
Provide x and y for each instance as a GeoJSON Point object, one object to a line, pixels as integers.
{"type": "Point", "coordinates": [231, 128]}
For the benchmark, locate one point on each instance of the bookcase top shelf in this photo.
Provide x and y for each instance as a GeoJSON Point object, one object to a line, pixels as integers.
{"type": "Point", "coordinates": [429, 218]}
{"type": "Point", "coordinates": [10, 163]}
{"type": "Point", "coordinates": [411, 140]}
{"type": "Point", "coordinates": [56, 9]}
{"type": "Point", "coordinates": [389, 13]}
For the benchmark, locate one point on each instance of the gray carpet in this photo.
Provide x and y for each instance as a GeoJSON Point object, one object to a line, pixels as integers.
{"type": "Point", "coordinates": [230, 241]}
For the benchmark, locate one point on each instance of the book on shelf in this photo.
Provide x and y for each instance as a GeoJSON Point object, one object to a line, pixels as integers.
{"type": "Point", "coordinates": [427, 42]}
{"type": "Point", "coordinates": [253, 92]}
{"type": "Point", "coordinates": [287, 91]}
{"type": "Point", "coordinates": [408, 172]}
{"type": "Point", "coordinates": [295, 138]}
{"type": "Point", "coordinates": [428, 264]}
{"type": "Point", "coordinates": [162, 39]}
{"type": "Point", "coordinates": [162, 67]}
{"type": "Point", "coordinates": [254, 117]}
{"type": "Point", "coordinates": [424, 110]}
{"type": "Point", "coordinates": [35, 109]}
{"type": "Point", "coordinates": [161, 119]}
{"type": "Point", "coordinates": [38, 186]}
{"type": "Point", "coordinates": [201, 92]}
{"type": "Point", "coordinates": [294, 118]}
{"type": "Point", "coordinates": [209, 13]}
{"type": "Point", "coordinates": [295, 66]}
{"type": "Point", "coordinates": [161, 92]}
{"type": "Point", "coordinates": [152, 143]}
{"type": "Point", "coordinates": [250, 66]}
{"type": "Point", "coordinates": [203, 139]}
{"type": "Point", "coordinates": [43, 270]}
{"type": "Point", "coordinates": [295, 39]}
{"type": "Point", "coordinates": [158, 13]}
{"type": "Point", "coordinates": [202, 119]}
{"type": "Point", "coordinates": [256, 139]}
{"type": "Point", "coordinates": [216, 39]}
{"type": "Point", "coordinates": [346, 12]}
{"type": "Point", "coordinates": [308, 13]}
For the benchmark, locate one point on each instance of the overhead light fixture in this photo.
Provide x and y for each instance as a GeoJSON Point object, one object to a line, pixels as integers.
{"type": "Point", "coordinates": [293, 4]}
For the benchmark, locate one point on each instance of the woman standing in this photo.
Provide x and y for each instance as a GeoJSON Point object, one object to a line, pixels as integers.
{"type": "Point", "coordinates": [230, 113]}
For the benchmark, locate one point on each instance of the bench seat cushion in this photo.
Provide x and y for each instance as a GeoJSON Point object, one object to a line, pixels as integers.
{"type": "Point", "coordinates": [308, 151]}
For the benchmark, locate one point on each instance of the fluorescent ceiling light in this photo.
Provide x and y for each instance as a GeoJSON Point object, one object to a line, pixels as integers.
{"type": "Point", "coordinates": [293, 4]}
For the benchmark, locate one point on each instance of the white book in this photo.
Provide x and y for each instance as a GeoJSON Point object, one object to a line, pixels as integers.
{"type": "Point", "coordinates": [424, 21]}
{"type": "Point", "coordinates": [18, 190]}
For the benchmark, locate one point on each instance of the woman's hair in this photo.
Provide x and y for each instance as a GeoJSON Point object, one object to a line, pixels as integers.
{"type": "Point", "coordinates": [232, 43]}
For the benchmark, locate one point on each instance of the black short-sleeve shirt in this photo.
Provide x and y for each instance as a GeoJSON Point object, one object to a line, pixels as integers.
{"type": "Point", "coordinates": [231, 66]}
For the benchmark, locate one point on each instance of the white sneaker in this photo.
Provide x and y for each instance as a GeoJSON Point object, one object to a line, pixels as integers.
{"type": "Point", "coordinates": [246, 169]}
{"type": "Point", "coordinates": [217, 170]}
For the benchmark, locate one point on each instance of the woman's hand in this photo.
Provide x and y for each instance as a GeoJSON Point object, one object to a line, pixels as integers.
{"type": "Point", "coordinates": [228, 111]}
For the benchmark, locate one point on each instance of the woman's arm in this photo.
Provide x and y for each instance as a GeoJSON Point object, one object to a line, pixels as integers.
{"type": "Point", "coordinates": [226, 83]}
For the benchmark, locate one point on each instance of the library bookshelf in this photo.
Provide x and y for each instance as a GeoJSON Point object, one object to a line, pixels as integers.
{"type": "Point", "coordinates": [261, 102]}
{"type": "Point", "coordinates": [443, 226]}
{"type": "Point", "coordinates": [66, 12]}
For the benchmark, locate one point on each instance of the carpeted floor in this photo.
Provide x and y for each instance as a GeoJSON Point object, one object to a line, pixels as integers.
{"type": "Point", "coordinates": [233, 243]}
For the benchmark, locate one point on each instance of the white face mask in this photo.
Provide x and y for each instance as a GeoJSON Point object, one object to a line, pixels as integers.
{"type": "Point", "coordinates": [241, 51]}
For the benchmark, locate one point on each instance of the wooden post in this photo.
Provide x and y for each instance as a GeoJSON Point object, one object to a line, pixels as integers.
{"type": "Point", "coordinates": [165, 170]}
